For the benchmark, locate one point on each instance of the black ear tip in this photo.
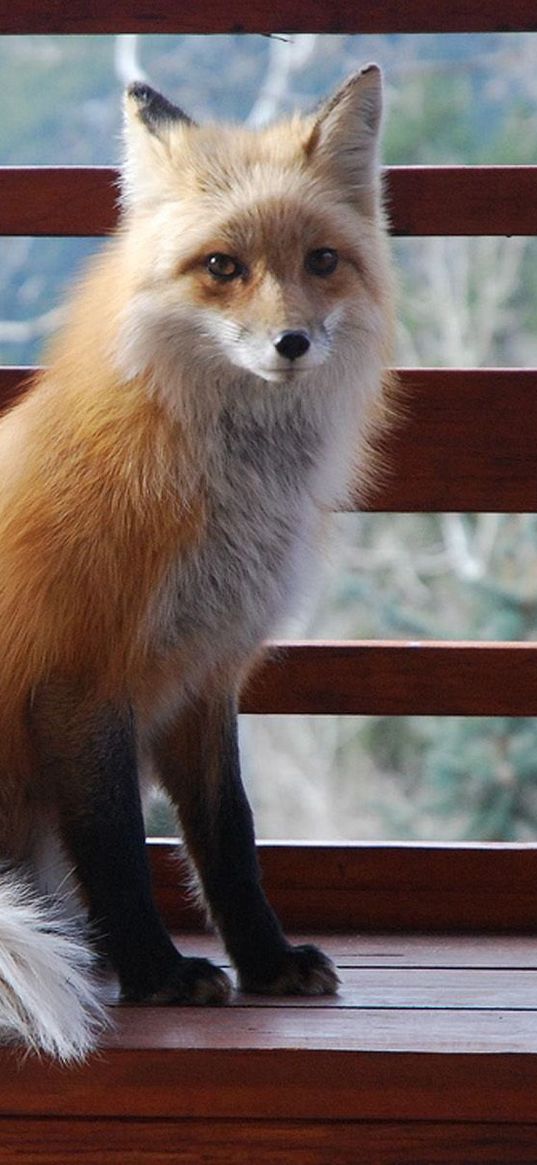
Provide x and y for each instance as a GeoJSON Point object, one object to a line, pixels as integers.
{"type": "Point", "coordinates": [142, 93]}
{"type": "Point", "coordinates": [153, 108]}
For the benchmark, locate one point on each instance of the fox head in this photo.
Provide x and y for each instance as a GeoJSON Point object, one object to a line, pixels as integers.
{"type": "Point", "coordinates": [259, 251]}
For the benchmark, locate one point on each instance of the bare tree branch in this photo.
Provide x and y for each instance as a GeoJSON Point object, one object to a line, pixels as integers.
{"type": "Point", "coordinates": [285, 58]}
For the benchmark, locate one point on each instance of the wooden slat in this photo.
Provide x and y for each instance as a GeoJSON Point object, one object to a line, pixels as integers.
{"type": "Point", "coordinates": [14, 381]}
{"type": "Point", "coordinates": [464, 441]}
{"type": "Point", "coordinates": [505, 1031]}
{"type": "Point", "coordinates": [264, 1142]}
{"type": "Point", "coordinates": [58, 200]}
{"type": "Point", "coordinates": [421, 200]}
{"type": "Point", "coordinates": [462, 200]}
{"type": "Point", "coordinates": [186, 1063]}
{"type": "Point", "coordinates": [402, 950]}
{"type": "Point", "coordinates": [389, 989]}
{"type": "Point", "coordinates": [270, 1143]}
{"type": "Point", "coordinates": [388, 887]}
{"type": "Point", "coordinates": [328, 16]}
{"type": "Point", "coordinates": [427, 678]}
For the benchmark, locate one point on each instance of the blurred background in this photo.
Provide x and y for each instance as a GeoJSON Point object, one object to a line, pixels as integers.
{"type": "Point", "coordinates": [463, 303]}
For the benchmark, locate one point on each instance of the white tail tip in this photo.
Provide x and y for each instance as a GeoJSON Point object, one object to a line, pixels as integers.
{"type": "Point", "coordinates": [49, 999]}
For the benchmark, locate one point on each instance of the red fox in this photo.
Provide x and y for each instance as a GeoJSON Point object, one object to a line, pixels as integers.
{"type": "Point", "coordinates": [164, 490]}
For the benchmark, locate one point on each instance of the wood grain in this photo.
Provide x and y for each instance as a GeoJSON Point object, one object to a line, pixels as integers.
{"type": "Point", "coordinates": [401, 989]}
{"type": "Point", "coordinates": [422, 678]}
{"type": "Point", "coordinates": [328, 16]}
{"type": "Point", "coordinates": [389, 1072]}
{"type": "Point", "coordinates": [461, 200]}
{"type": "Point", "coordinates": [502, 1031]}
{"type": "Point", "coordinates": [421, 200]}
{"type": "Point", "coordinates": [463, 442]}
{"type": "Point", "coordinates": [58, 200]}
{"type": "Point", "coordinates": [264, 1142]}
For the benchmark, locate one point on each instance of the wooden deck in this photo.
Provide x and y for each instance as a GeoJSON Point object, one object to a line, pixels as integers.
{"type": "Point", "coordinates": [427, 1054]}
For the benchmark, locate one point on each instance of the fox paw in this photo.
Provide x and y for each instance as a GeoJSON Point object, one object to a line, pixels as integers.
{"type": "Point", "coordinates": [305, 971]}
{"type": "Point", "coordinates": [193, 982]}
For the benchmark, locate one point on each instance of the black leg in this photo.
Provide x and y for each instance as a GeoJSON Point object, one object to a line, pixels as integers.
{"type": "Point", "coordinates": [199, 765]}
{"type": "Point", "coordinates": [88, 756]}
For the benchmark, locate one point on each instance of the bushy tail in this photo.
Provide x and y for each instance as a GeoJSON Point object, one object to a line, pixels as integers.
{"type": "Point", "coordinates": [49, 1001]}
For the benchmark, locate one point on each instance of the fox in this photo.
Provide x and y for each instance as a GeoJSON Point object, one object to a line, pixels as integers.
{"type": "Point", "coordinates": [209, 398]}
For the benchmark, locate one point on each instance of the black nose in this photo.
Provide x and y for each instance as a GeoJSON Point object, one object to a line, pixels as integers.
{"type": "Point", "coordinates": [292, 344]}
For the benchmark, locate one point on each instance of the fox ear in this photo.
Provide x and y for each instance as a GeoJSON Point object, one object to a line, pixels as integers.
{"type": "Point", "coordinates": [154, 111]}
{"type": "Point", "coordinates": [345, 133]}
{"type": "Point", "coordinates": [150, 122]}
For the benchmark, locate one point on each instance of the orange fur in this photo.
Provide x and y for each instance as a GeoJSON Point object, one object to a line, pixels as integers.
{"type": "Point", "coordinates": [103, 492]}
{"type": "Point", "coordinates": [90, 519]}
{"type": "Point", "coordinates": [165, 486]}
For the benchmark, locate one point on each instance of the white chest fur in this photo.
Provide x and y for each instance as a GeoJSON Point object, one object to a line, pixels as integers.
{"type": "Point", "coordinates": [270, 460]}
{"type": "Point", "coordinates": [260, 469]}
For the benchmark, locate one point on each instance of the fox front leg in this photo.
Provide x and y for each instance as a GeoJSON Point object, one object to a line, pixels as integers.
{"type": "Point", "coordinates": [199, 766]}
{"type": "Point", "coordinates": [88, 758]}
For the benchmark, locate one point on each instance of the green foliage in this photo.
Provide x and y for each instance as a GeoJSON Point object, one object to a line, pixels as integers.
{"type": "Point", "coordinates": [429, 125]}
{"type": "Point", "coordinates": [62, 97]}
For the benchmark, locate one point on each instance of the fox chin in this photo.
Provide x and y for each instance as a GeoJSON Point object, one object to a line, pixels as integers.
{"type": "Point", "coordinates": [212, 393]}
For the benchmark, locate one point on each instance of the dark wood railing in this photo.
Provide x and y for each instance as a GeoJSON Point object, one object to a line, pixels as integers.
{"type": "Point", "coordinates": [206, 16]}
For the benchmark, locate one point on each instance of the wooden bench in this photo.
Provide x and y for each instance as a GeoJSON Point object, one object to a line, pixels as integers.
{"type": "Point", "coordinates": [429, 1053]}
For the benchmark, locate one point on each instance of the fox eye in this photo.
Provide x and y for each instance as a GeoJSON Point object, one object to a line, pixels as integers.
{"type": "Point", "coordinates": [322, 261]}
{"type": "Point", "coordinates": [224, 267]}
